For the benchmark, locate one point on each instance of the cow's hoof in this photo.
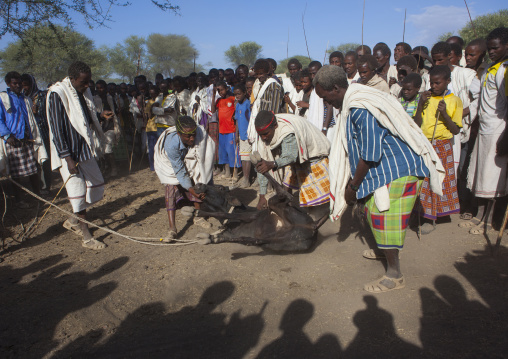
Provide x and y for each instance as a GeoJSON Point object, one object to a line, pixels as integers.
{"type": "Point", "coordinates": [203, 238]}
{"type": "Point", "coordinates": [187, 211]}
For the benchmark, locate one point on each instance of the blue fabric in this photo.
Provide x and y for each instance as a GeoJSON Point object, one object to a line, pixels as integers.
{"type": "Point", "coordinates": [152, 137]}
{"type": "Point", "coordinates": [227, 150]}
{"type": "Point", "coordinates": [242, 116]}
{"type": "Point", "coordinates": [160, 130]}
{"type": "Point", "coordinates": [15, 122]}
{"type": "Point", "coordinates": [390, 158]}
{"type": "Point", "coordinates": [176, 151]}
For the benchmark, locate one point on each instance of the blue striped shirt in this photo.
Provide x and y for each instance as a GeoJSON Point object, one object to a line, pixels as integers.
{"type": "Point", "coordinates": [390, 157]}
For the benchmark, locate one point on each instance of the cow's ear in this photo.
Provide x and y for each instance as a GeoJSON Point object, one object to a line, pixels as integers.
{"type": "Point", "coordinates": [233, 200]}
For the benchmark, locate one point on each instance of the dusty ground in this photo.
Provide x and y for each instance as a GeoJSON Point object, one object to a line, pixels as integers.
{"type": "Point", "coordinates": [60, 300]}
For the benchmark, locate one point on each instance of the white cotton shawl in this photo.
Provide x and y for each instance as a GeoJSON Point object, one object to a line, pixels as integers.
{"type": "Point", "coordinates": [316, 111]}
{"type": "Point", "coordinates": [461, 82]}
{"type": "Point", "coordinates": [93, 136]}
{"type": "Point", "coordinates": [202, 106]}
{"type": "Point", "coordinates": [100, 107]}
{"type": "Point", "coordinates": [392, 116]}
{"type": "Point", "coordinates": [295, 96]}
{"type": "Point", "coordinates": [311, 142]}
{"type": "Point", "coordinates": [38, 144]}
{"type": "Point", "coordinates": [251, 130]}
{"type": "Point", "coordinates": [198, 161]}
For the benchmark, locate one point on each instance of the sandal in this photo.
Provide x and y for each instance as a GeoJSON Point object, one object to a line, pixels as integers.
{"type": "Point", "coordinates": [377, 287]}
{"type": "Point", "coordinates": [202, 222]}
{"type": "Point", "coordinates": [466, 216]}
{"type": "Point", "coordinates": [75, 228]}
{"type": "Point", "coordinates": [93, 244]}
{"type": "Point", "coordinates": [372, 254]}
{"type": "Point", "coordinates": [473, 222]}
{"type": "Point", "coordinates": [480, 229]}
{"type": "Point", "coordinates": [171, 235]}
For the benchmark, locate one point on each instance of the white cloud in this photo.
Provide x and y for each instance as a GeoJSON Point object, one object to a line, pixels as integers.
{"type": "Point", "coordinates": [436, 20]}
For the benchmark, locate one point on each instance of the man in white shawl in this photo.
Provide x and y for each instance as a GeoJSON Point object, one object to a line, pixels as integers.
{"type": "Point", "coordinates": [111, 127]}
{"type": "Point", "coordinates": [22, 145]}
{"type": "Point", "coordinates": [295, 154]}
{"type": "Point", "coordinates": [183, 158]}
{"type": "Point", "coordinates": [380, 155]}
{"type": "Point", "coordinates": [76, 136]}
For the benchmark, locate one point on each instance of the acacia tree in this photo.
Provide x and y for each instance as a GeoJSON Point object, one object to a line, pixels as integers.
{"type": "Point", "coordinates": [171, 54]}
{"type": "Point", "coordinates": [482, 24]}
{"type": "Point", "coordinates": [17, 16]}
{"type": "Point", "coordinates": [344, 48]}
{"type": "Point", "coordinates": [46, 52]}
{"type": "Point", "coordinates": [129, 57]}
{"type": "Point", "coordinates": [245, 53]}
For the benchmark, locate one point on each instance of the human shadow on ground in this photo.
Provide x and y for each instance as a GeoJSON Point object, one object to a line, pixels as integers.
{"type": "Point", "coordinates": [294, 343]}
{"type": "Point", "coordinates": [453, 326]}
{"type": "Point", "coordinates": [198, 331]}
{"type": "Point", "coordinates": [31, 308]}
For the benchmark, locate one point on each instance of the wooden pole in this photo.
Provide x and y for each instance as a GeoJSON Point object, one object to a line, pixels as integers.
{"type": "Point", "coordinates": [139, 62]}
{"type": "Point", "coordinates": [287, 46]}
{"type": "Point", "coordinates": [304, 34]}
{"type": "Point", "coordinates": [404, 31]}
{"type": "Point", "coordinates": [471, 19]}
{"type": "Point", "coordinates": [363, 17]}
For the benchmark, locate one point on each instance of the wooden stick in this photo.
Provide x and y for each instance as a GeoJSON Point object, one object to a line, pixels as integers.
{"type": "Point", "coordinates": [363, 17]}
{"type": "Point", "coordinates": [287, 46]}
{"type": "Point", "coordinates": [501, 231]}
{"type": "Point", "coordinates": [324, 59]}
{"type": "Point", "coordinates": [304, 34]}
{"type": "Point", "coordinates": [133, 143]}
{"type": "Point", "coordinates": [404, 31]}
{"type": "Point", "coordinates": [471, 19]}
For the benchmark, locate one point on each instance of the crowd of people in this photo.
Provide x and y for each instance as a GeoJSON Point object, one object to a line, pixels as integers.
{"type": "Point", "coordinates": [424, 137]}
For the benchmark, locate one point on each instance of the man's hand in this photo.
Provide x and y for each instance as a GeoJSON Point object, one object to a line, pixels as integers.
{"type": "Point", "coordinates": [302, 104]}
{"type": "Point", "coordinates": [11, 140]}
{"type": "Point", "coordinates": [350, 196]}
{"type": "Point", "coordinates": [71, 165]}
{"type": "Point", "coordinates": [441, 107]}
{"type": "Point", "coordinates": [264, 166]}
{"type": "Point", "coordinates": [262, 203]}
{"type": "Point", "coordinates": [107, 115]}
{"type": "Point", "coordinates": [201, 196]}
{"type": "Point", "coordinates": [392, 81]}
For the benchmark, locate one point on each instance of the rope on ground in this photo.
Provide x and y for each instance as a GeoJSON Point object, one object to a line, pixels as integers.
{"type": "Point", "coordinates": [140, 240]}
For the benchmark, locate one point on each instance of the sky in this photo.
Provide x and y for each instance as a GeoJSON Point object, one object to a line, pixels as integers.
{"type": "Point", "coordinates": [214, 28]}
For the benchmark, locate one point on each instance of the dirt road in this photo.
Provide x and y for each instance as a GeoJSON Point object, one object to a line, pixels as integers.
{"type": "Point", "coordinates": [59, 300]}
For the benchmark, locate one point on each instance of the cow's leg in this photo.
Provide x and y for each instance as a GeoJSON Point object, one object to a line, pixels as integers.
{"type": "Point", "coordinates": [242, 217]}
{"type": "Point", "coordinates": [255, 157]}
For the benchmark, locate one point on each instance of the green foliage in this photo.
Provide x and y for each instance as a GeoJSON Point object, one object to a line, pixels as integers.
{"type": "Point", "coordinates": [282, 66]}
{"type": "Point", "coordinates": [18, 16]}
{"type": "Point", "coordinates": [124, 58]}
{"type": "Point", "coordinates": [171, 54]}
{"type": "Point", "coordinates": [246, 53]}
{"type": "Point", "coordinates": [350, 46]}
{"type": "Point", "coordinates": [46, 52]}
{"type": "Point", "coordinates": [483, 25]}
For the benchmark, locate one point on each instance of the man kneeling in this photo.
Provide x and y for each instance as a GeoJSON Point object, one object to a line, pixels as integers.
{"type": "Point", "coordinates": [295, 154]}
{"type": "Point", "coordinates": [184, 157]}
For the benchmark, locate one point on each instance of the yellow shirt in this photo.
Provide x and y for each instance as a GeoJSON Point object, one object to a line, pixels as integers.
{"type": "Point", "coordinates": [453, 109]}
{"type": "Point", "coordinates": [150, 124]}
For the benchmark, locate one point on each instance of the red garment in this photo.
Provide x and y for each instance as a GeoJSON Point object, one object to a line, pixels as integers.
{"type": "Point", "coordinates": [226, 108]}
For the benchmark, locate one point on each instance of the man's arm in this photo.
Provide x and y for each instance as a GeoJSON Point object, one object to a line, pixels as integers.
{"type": "Point", "coordinates": [328, 119]}
{"type": "Point", "coordinates": [172, 148]}
{"type": "Point", "coordinates": [288, 155]}
{"type": "Point", "coordinates": [4, 130]}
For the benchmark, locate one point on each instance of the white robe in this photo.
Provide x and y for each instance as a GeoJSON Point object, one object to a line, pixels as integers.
{"type": "Point", "coordinates": [316, 110]}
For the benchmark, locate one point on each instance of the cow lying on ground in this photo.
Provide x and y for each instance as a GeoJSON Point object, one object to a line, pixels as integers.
{"type": "Point", "coordinates": [281, 227]}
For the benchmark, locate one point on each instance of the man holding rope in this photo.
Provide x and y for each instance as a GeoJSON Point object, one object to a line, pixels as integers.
{"type": "Point", "coordinates": [76, 137]}
{"type": "Point", "coordinates": [184, 156]}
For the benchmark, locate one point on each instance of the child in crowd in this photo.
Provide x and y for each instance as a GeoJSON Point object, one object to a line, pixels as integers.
{"type": "Point", "coordinates": [307, 87]}
{"type": "Point", "coordinates": [439, 114]}
{"type": "Point", "coordinates": [150, 126]}
{"type": "Point", "coordinates": [410, 93]}
{"type": "Point", "coordinates": [249, 84]}
{"type": "Point", "coordinates": [225, 108]}
{"type": "Point", "coordinates": [405, 66]}
{"type": "Point", "coordinates": [295, 95]}
{"type": "Point", "coordinates": [350, 66]}
{"type": "Point", "coordinates": [242, 117]}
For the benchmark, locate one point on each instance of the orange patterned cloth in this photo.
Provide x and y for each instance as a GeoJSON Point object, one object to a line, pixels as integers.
{"type": "Point", "coordinates": [311, 179]}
